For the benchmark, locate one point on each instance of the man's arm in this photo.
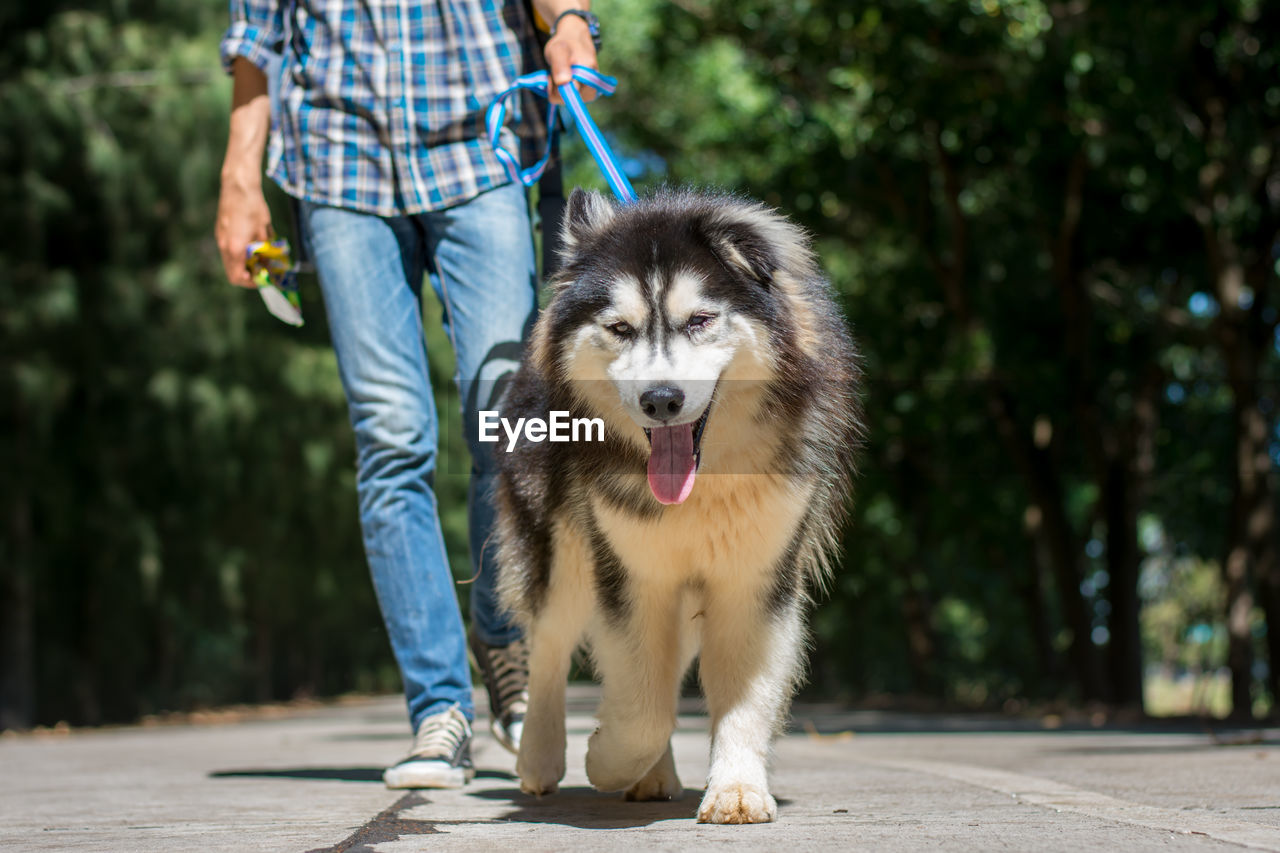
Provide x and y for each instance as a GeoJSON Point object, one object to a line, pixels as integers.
{"type": "Point", "coordinates": [243, 216]}
{"type": "Point", "coordinates": [571, 45]}
{"type": "Point", "coordinates": [251, 41]}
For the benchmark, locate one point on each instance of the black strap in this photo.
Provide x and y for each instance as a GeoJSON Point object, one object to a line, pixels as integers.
{"type": "Point", "coordinates": [550, 185]}
{"type": "Point", "coordinates": [551, 209]}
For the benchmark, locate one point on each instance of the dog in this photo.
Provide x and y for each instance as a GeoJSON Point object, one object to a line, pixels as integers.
{"type": "Point", "coordinates": [698, 327]}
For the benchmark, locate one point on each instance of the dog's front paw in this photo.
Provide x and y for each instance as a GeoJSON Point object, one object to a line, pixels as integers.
{"type": "Point", "coordinates": [660, 783]}
{"type": "Point", "coordinates": [735, 803]}
{"type": "Point", "coordinates": [539, 783]}
{"type": "Point", "coordinates": [540, 770]}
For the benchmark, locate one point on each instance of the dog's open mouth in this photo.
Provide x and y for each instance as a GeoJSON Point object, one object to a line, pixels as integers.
{"type": "Point", "coordinates": [674, 455]}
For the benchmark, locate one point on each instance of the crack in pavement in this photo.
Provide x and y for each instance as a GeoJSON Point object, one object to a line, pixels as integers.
{"type": "Point", "coordinates": [389, 826]}
{"type": "Point", "coordinates": [386, 826]}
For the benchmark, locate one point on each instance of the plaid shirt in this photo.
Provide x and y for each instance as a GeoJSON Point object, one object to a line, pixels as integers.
{"type": "Point", "coordinates": [381, 102]}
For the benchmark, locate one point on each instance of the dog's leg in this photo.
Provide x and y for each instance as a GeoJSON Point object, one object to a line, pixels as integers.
{"type": "Point", "coordinates": [639, 663]}
{"type": "Point", "coordinates": [540, 763]}
{"type": "Point", "coordinates": [662, 781]}
{"type": "Point", "coordinates": [553, 635]}
{"type": "Point", "coordinates": [748, 665]}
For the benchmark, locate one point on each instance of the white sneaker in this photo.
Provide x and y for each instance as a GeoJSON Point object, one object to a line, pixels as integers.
{"type": "Point", "coordinates": [441, 755]}
{"type": "Point", "coordinates": [505, 670]}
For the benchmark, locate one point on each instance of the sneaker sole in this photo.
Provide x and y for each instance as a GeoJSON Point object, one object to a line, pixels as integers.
{"type": "Point", "coordinates": [424, 775]}
{"type": "Point", "coordinates": [503, 737]}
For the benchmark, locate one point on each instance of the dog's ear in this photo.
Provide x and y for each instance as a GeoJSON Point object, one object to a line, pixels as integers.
{"type": "Point", "coordinates": [743, 249]}
{"type": "Point", "coordinates": [756, 242]}
{"type": "Point", "coordinates": [585, 214]}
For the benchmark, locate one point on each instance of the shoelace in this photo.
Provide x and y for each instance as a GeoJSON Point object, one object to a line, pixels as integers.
{"type": "Point", "coordinates": [440, 735]}
{"type": "Point", "coordinates": [510, 667]}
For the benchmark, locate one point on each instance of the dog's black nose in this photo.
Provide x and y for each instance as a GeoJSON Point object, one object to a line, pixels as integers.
{"type": "Point", "coordinates": [662, 403]}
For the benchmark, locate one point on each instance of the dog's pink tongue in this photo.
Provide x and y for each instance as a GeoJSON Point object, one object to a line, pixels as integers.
{"type": "Point", "coordinates": [671, 463]}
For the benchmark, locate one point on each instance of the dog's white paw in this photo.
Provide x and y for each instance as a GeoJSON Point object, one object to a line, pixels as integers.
{"type": "Point", "coordinates": [736, 803]}
{"type": "Point", "coordinates": [660, 783]}
{"type": "Point", "coordinates": [539, 783]}
{"type": "Point", "coordinates": [540, 768]}
{"type": "Point", "coordinates": [615, 766]}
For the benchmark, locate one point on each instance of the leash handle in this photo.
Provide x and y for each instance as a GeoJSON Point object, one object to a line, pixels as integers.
{"type": "Point", "coordinates": [539, 83]}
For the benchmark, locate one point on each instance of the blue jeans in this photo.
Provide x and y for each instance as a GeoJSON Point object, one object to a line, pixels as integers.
{"type": "Point", "coordinates": [480, 256]}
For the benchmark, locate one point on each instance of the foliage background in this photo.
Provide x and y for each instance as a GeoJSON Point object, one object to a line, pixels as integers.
{"type": "Point", "coordinates": [1055, 228]}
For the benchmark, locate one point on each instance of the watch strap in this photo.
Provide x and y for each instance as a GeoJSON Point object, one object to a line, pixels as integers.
{"type": "Point", "coordinates": [592, 22]}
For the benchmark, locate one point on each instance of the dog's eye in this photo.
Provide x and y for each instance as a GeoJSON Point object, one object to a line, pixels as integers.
{"type": "Point", "coordinates": [621, 329]}
{"type": "Point", "coordinates": [700, 321]}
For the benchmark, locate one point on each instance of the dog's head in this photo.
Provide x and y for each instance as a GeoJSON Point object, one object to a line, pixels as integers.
{"type": "Point", "coordinates": [663, 311]}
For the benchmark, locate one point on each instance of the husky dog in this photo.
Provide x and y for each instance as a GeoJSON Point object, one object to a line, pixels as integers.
{"type": "Point", "coordinates": [698, 327]}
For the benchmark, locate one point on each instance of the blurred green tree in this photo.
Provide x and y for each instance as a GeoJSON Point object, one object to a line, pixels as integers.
{"type": "Point", "coordinates": [1054, 226]}
{"type": "Point", "coordinates": [179, 512]}
{"type": "Point", "coordinates": [1036, 212]}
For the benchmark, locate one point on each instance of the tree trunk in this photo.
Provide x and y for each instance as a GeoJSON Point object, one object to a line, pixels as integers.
{"type": "Point", "coordinates": [264, 657]}
{"type": "Point", "coordinates": [1126, 477]}
{"type": "Point", "coordinates": [1262, 531]}
{"type": "Point", "coordinates": [921, 648]}
{"type": "Point", "coordinates": [1050, 529]}
{"type": "Point", "coordinates": [917, 608]}
{"type": "Point", "coordinates": [17, 647]}
{"type": "Point", "coordinates": [1269, 589]}
{"type": "Point", "coordinates": [1034, 593]}
{"type": "Point", "coordinates": [1124, 654]}
{"type": "Point", "coordinates": [1250, 552]}
{"type": "Point", "coordinates": [1243, 337]}
{"type": "Point", "coordinates": [1236, 576]}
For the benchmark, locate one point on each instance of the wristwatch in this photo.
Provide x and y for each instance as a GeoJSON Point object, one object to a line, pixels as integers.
{"type": "Point", "coordinates": [593, 23]}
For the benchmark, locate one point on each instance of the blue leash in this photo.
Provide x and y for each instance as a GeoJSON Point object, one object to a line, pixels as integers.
{"type": "Point", "coordinates": [538, 83]}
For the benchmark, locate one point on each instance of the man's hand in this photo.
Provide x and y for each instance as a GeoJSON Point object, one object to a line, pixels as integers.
{"type": "Point", "coordinates": [571, 45]}
{"type": "Point", "coordinates": [243, 217]}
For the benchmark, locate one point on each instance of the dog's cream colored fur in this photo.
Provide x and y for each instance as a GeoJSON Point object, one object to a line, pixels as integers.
{"type": "Point", "coordinates": [681, 603]}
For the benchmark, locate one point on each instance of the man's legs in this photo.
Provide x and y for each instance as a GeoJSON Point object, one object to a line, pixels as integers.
{"type": "Point", "coordinates": [370, 272]}
{"type": "Point", "coordinates": [487, 281]}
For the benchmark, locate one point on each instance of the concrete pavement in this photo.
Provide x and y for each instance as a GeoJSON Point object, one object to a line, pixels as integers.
{"type": "Point", "coordinates": [311, 781]}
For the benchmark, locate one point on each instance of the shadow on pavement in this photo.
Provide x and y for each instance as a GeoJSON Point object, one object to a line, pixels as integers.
{"type": "Point", "coordinates": [1209, 744]}
{"type": "Point", "coordinates": [336, 774]}
{"type": "Point", "coordinates": [586, 808]}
